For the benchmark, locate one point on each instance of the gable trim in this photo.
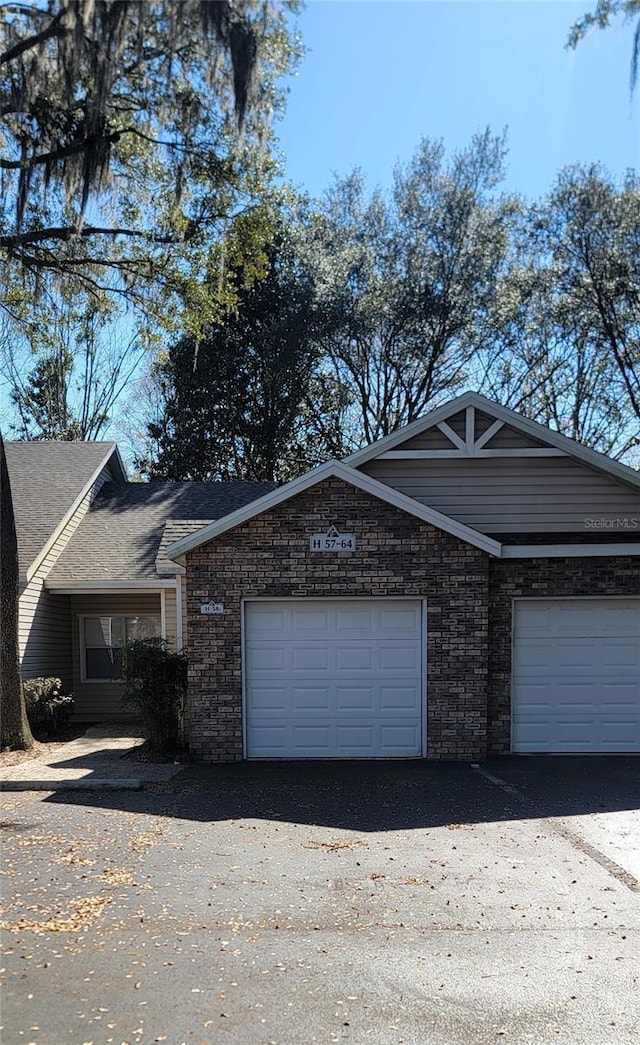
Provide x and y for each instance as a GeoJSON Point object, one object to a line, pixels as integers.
{"type": "Point", "coordinates": [568, 551]}
{"type": "Point", "coordinates": [531, 428]}
{"type": "Point", "coordinates": [112, 452]}
{"type": "Point", "coordinates": [337, 470]}
{"type": "Point", "coordinates": [102, 587]}
{"type": "Point", "coordinates": [449, 455]}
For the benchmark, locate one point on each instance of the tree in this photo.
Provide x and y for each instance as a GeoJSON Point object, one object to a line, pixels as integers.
{"type": "Point", "coordinates": [120, 129]}
{"type": "Point", "coordinates": [567, 331]}
{"type": "Point", "coordinates": [14, 727]}
{"type": "Point", "coordinates": [67, 364]}
{"type": "Point", "coordinates": [408, 279]}
{"type": "Point", "coordinates": [248, 399]}
{"type": "Point", "coordinates": [605, 12]}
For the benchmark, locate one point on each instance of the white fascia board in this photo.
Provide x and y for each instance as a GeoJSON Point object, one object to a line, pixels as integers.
{"type": "Point", "coordinates": [581, 453]}
{"type": "Point", "coordinates": [42, 554]}
{"type": "Point", "coordinates": [592, 458]}
{"type": "Point", "coordinates": [338, 470]}
{"type": "Point", "coordinates": [80, 587]}
{"type": "Point", "coordinates": [441, 413]}
{"type": "Point", "coordinates": [567, 551]}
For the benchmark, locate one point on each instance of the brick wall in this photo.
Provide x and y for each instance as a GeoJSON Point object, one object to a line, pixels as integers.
{"type": "Point", "coordinates": [397, 555]}
{"type": "Point", "coordinates": [542, 579]}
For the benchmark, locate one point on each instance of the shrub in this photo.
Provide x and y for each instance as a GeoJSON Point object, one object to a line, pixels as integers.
{"type": "Point", "coordinates": [155, 684]}
{"type": "Point", "coordinates": [48, 708]}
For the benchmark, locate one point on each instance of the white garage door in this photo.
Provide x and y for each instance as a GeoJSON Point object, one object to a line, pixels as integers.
{"type": "Point", "coordinates": [333, 679]}
{"type": "Point", "coordinates": [576, 675]}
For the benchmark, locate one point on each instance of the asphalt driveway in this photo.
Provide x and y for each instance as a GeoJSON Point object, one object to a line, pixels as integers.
{"type": "Point", "coordinates": [430, 904]}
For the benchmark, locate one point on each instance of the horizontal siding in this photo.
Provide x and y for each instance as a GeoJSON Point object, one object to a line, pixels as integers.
{"type": "Point", "coordinates": [101, 700]}
{"type": "Point", "coordinates": [170, 617]}
{"type": "Point", "coordinates": [498, 495]}
{"type": "Point", "coordinates": [431, 439]}
{"type": "Point", "coordinates": [507, 437]}
{"type": "Point", "coordinates": [44, 623]}
{"type": "Point", "coordinates": [182, 581]}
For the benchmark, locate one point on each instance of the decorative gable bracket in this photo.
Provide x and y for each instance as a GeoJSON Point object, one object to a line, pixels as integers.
{"type": "Point", "coordinates": [472, 445]}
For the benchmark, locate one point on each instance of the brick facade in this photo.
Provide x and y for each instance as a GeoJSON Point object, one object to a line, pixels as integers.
{"type": "Point", "coordinates": [397, 555]}
{"type": "Point", "coordinates": [469, 609]}
{"type": "Point", "coordinates": [542, 579]}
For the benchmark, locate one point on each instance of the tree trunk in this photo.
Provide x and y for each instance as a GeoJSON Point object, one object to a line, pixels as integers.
{"type": "Point", "coordinates": [14, 726]}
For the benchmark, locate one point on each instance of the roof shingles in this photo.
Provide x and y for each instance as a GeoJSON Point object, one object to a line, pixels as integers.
{"type": "Point", "coordinates": [46, 480]}
{"type": "Point", "coordinates": [125, 534]}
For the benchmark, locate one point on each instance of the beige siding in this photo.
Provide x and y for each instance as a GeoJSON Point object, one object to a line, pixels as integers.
{"type": "Point", "coordinates": [170, 617]}
{"type": "Point", "coordinates": [101, 700]}
{"type": "Point", "coordinates": [44, 629]}
{"type": "Point", "coordinates": [183, 584]}
{"type": "Point", "coordinates": [512, 495]}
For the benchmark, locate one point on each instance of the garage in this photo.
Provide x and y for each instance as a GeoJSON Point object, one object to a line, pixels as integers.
{"type": "Point", "coordinates": [334, 678]}
{"type": "Point", "coordinates": [576, 675]}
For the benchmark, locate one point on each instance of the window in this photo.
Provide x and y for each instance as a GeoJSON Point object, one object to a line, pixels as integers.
{"type": "Point", "coordinates": [104, 638]}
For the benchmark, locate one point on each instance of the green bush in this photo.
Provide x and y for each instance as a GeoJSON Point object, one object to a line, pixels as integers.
{"type": "Point", "coordinates": [155, 685]}
{"type": "Point", "coordinates": [48, 708]}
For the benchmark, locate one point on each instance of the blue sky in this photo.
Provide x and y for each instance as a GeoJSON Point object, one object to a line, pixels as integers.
{"type": "Point", "coordinates": [381, 74]}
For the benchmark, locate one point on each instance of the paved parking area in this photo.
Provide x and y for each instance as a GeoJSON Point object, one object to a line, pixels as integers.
{"type": "Point", "coordinates": [374, 902]}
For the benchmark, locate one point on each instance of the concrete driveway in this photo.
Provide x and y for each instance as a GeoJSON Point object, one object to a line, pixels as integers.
{"type": "Point", "coordinates": [373, 902]}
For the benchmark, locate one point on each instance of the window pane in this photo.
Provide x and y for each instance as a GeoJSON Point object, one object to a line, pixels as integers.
{"type": "Point", "coordinates": [142, 628]}
{"type": "Point", "coordinates": [97, 631]}
{"type": "Point", "coordinates": [103, 663]}
{"type": "Point", "coordinates": [102, 632]}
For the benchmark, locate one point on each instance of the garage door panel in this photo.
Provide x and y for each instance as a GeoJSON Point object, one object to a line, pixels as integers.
{"type": "Point", "coordinates": [352, 698]}
{"type": "Point", "coordinates": [270, 697]}
{"type": "Point", "coordinates": [402, 620]}
{"type": "Point", "coordinates": [337, 679]}
{"type": "Point", "coordinates": [398, 738]}
{"type": "Point", "coordinates": [267, 621]}
{"type": "Point", "coordinates": [354, 659]}
{"type": "Point", "coordinates": [398, 698]}
{"type": "Point", "coordinates": [578, 689]}
{"type": "Point", "coordinates": [400, 657]}
{"type": "Point", "coordinates": [269, 658]}
{"type": "Point", "coordinates": [308, 621]}
{"type": "Point", "coordinates": [308, 658]}
{"type": "Point", "coordinates": [356, 620]}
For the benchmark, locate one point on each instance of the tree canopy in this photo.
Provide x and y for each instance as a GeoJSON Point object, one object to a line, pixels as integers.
{"type": "Point", "coordinates": [244, 400]}
{"type": "Point", "coordinates": [130, 128]}
{"type": "Point", "coordinates": [602, 16]}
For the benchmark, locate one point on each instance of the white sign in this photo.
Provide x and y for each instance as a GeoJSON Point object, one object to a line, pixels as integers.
{"type": "Point", "coordinates": [212, 607]}
{"type": "Point", "coordinates": [332, 541]}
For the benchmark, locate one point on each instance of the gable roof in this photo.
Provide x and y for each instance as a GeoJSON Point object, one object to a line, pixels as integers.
{"type": "Point", "coordinates": [530, 428]}
{"type": "Point", "coordinates": [121, 537]}
{"type": "Point", "coordinates": [48, 481]}
{"type": "Point", "coordinates": [338, 470]}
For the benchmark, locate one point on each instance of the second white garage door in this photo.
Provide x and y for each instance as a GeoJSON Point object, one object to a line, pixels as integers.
{"type": "Point", "coordinates": [576, 675]}
{"type": "Point", "coordinates": [333, 679]}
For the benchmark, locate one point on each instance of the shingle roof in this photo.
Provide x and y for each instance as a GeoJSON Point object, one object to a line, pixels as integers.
{"type": "Point", "coordinates": [174, 529]}
{"type": "Point", "coordinates": [46, 478]}
{"type": "Point", "coordinates": [120, 538]}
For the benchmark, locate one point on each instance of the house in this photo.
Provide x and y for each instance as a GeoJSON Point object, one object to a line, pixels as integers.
{"type": "Point", "coordinates": [93, 570]}
{"type": "Point", "coordinates": [482, 595]}
{"type": "Point", "coordinates": [468, 586]}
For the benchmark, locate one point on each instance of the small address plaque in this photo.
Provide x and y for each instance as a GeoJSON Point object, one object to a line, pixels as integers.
{"type": "Point", "coordinates": [332, 541]}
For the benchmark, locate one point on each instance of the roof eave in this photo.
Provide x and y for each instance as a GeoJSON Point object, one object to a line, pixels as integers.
{"type": "Point", "coordinates": [580, 453]}
{"type": "Point", "coordinates": [338, 470]}
{"type": "Point", "coordinates": [44, 551]}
